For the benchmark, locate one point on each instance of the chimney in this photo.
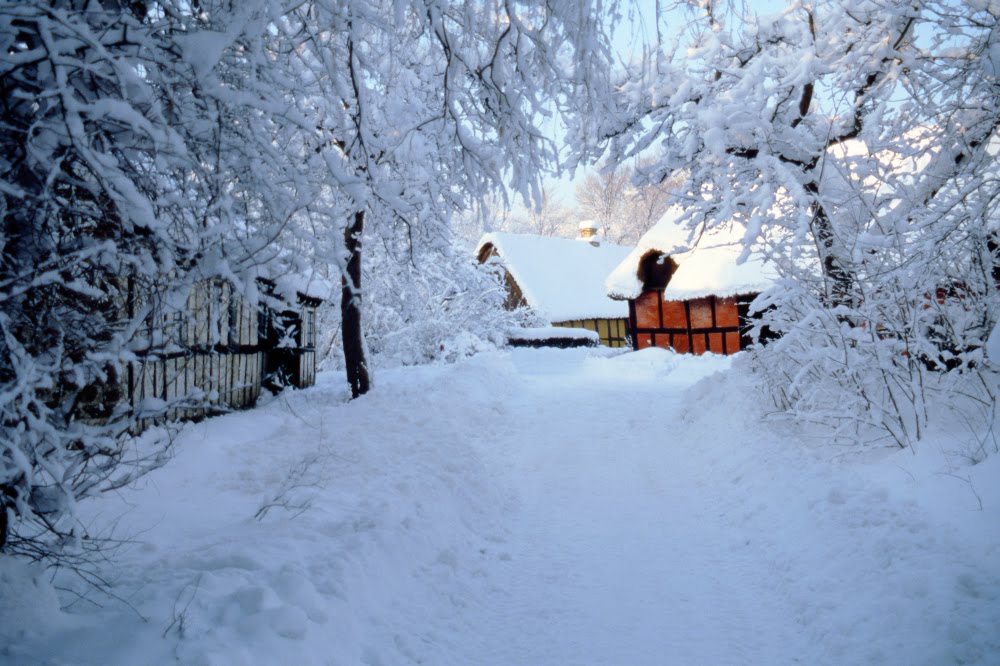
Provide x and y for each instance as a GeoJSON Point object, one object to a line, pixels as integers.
{"type": "Point", "coordinates": [588, 232]}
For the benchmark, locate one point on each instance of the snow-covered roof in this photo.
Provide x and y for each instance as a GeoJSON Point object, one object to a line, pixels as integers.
{"type": "Point", "coordinates": [716, 271]}
{"type": "Point", "coordinates": [706, 266]}
{"type": "Point", "coordinates": [561, 279]}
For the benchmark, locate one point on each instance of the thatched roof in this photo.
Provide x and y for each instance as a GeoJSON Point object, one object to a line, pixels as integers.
{"type": "Point", "coordinates": [561, 279]}
{"type": "Point", "coordinates": [711, 265]}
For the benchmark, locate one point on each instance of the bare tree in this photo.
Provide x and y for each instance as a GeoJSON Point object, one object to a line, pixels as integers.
{"type": "Point", "coordinates": [624, 201]}
{"type": "Point", "coordinates": [548, 217]}
{"type": "Point", "coordinates": [481, 217]}
{"type": "Point", "coordinates": [648, 199]}
{"type": "Point", "coordinates": [603, 197]}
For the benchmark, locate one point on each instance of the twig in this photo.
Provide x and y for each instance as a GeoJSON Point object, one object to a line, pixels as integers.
{"type": "Point", "coordinates": [180, 619]}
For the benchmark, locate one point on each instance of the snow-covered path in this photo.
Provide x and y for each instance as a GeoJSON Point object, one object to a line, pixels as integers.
{"type": "Point", "coordinates": [535, 508]}
{"type": "Point", "coordinates": [618, 554]}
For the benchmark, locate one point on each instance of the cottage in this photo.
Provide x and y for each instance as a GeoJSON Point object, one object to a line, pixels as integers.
{"type": "Point", "coordinates": [221, 346]}
{"type": "Point", "coordinates": [690, 299]}
{"type": "Point", "coordinates": [562, 279]}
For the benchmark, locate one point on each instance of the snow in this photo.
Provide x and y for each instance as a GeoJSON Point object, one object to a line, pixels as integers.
{"type": "Point", "coordinates": [535, 507]}
{"type": "Point", "coordinates": [29, 602]}
{"type": "Point", "coordinates": [561, 279]}
{"type": "Point", "coordinates": [289, 284]}
{"type": "Point", "coordinates": [668, 236]}
{"type": "Point", "coordinates": [716, 271]}
{"type": "Point", "coordinates": [548, 332]}
{"type": "Point", "coordinates": [709, 265]}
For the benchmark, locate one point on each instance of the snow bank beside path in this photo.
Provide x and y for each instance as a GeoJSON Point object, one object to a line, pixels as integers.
{"type": "Point", "coordinates": [887, 556]}
{"type": "Point", "coordinates": [382, 517]}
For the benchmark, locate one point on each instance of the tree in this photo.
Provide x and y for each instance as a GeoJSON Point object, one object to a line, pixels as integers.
{"type": "Point", "coordinates": [623, 201]}
{"type": "Point", "coordinates": [481, 217]}
{"type": "Point", "coordinates": [603, 197]}
{"type": "Point", "coordinates": [545, 217]}
{"type": "Point", "coordinates": [150, 146]}
{"type": "Point", "coordinates": [850, 141]}
{"type": "Point", "coordinates": [137, 158]}
{"type": "Point", "coordinates": [647, 203]}
{"type": "Point", "coordinates": [548, 217]}
{"type": "Point", "coordinates": [430, 305]}
{"type": "Point", "coordinates": [424, 107]}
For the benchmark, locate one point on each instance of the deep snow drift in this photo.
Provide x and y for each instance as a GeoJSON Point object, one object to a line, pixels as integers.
{"type": "Point", "coordinates": [533, 507]}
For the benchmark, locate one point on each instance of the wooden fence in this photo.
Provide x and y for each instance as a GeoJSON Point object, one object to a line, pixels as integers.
{"type": "Point", "coordinates": [212, 357]}
{"type": "Point", "coordinates": [227, 380]}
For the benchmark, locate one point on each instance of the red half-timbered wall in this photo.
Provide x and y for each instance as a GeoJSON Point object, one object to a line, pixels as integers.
{"type": "Point", "coordinates": [695, 326]}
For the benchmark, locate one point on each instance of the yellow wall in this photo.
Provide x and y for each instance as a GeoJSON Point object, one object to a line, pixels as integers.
{"type": "Point", "coordinates": [612, 331]}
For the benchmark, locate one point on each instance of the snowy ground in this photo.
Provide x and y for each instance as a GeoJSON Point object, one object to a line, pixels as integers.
{"type": "Point", "coordinates": [534, 507]}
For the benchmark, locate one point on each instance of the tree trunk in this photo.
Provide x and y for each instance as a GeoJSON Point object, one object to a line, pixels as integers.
{"type": "Point", "coordinates": [350, 310]}
{"type": "Point", "coordinates": [838, 276]}
{"type": "Point", "coordinates": [3, 526]}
